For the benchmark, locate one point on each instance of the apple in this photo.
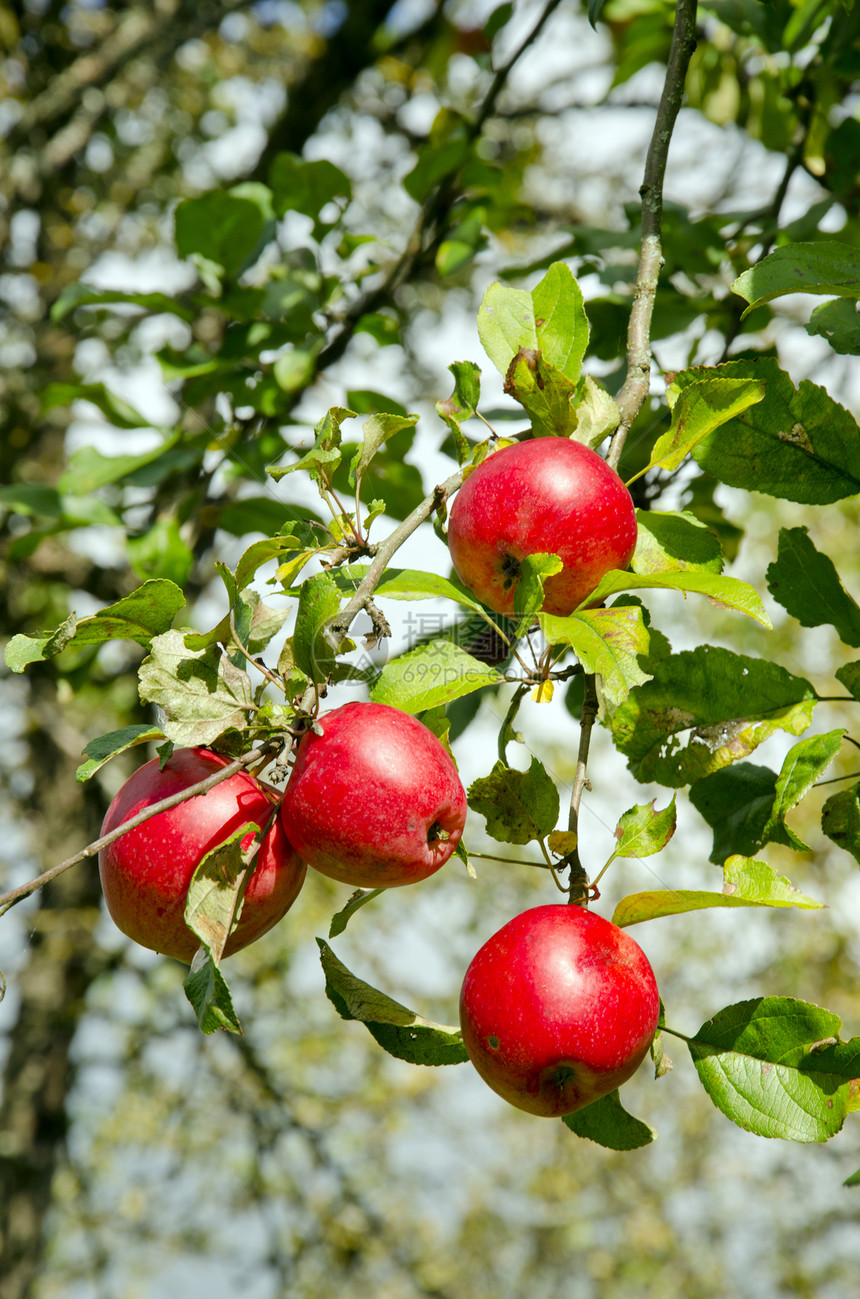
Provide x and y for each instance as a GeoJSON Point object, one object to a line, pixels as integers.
{"type": "Point", "coordinates": [557, 1009]}
{"type": "Point", "coordinates": [545, 496]}
{"type": "Point", "coordinates": [145, 873]}
{"type": "Point", "coordinates": [374, 800]}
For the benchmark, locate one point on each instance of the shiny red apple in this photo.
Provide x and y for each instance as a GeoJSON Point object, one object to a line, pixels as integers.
{"type": "Point", "coordinates": [545, 496]}
{"type": "Point", "coordinates": [374, 800]}
{"type": "Point", "coordinates": [557, 1009]}
{"type": "Point", "coordinates": [145, 873]}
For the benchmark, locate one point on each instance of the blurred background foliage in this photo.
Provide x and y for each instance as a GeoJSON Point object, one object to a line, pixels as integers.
{"type": "Point", "coordinates": [136, 1157]}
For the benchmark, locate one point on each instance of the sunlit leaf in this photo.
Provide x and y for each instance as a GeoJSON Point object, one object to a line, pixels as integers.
{"type": "Point", "coordinates": [776, 1067]}
{"type": "Point", "coordinates": [831, 269]}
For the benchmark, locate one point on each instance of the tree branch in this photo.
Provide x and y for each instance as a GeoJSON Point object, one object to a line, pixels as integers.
{"type": "Point", "coordinates": [428, 228]}
{"type": "Point", "coordinates": [339, 625]}
{"type": "Point", "coordinates": [636, 386]}
{"type": "Point", "coordinates": [8, 900]}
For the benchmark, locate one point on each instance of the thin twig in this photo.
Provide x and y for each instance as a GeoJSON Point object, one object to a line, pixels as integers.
{"type": "Point", "coordinates": [429, 226]}
{"type": "Point", "coordinates": [636, 386]}
{"type": "Point", "coordinates": [588, 717]}
{"type": "Point", "coordinates": [340, 624]}
{"type": "Point", "coordinates": [9, 899]}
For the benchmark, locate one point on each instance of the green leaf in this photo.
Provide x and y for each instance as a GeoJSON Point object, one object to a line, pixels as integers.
{"type": "Point", "coordinates": [597, 414]}
{"type": "Point", "coordinates": [294, 368]}
{"type": "Point", "coordinates": [435, 162]}
{"type": "Point", "coordinates": [118, 412]}
{"type": "Point", "coordinates": [463, 402]}
{"type": "Point", "coordinates": [359, 899]}
{"type": "Point", "coordinates": [319, 602]}
{"type": "Point", "coordinates": [461, 405]}
{"type": "Point", "coordinates": [806, 583]}
{"type": "Point", "coordinates": [88, 469]}
{"type": "Point", "coordinates": [325, 454]}
{"type": "Point", "coordinates": [728, 703]}
{"type": "Point", "coordinates": [840, 820]}
{"type": "Point", "coordinates": [607, 1123]}
{"type": "Point", "coordinates": [606, 642]}
{"type": "Point", "coordinates": [213, 904]}
{"type": "Point", "coordinates": [82, 295]}
{"type": "Point", "coordinates": [736, 802]}
{"type": "Point", "coordinates": [642, 830]}
{"type": "Point", "coordinates": [33, 500]}
{"type": "Point", "coordinates": [383, 328]}
{"type": "Point", "coordinates": [518, 805]}
{"type": "Point", "coordinates": [161, 552]}
{"type": "Point", "coordinates": [776, 1067]}
{"type": "Point", "coordinates": [594, 10]}
{"type": "Point", "coordinates": [431, 674]}
{"type": "Point", "coordinates": [145, 613]}
{"type": "Point", "coordinates": [839, 323]}
{"type": "Point", "coordinates": [299, 538]}
{"type": "Point", "coordinates": [849, 675]}
{"type": "Point", "coordinates": [672, 542]}
{"type": "Point", "coordinates": [545, 393]}
{"type": "Point", "coordinates": [206, 989]}
{"type": "Point", "coordinates": [534, 570]}
{"type": "Point", "coordinates": [728, 592]}
{"type": "Point", "coordinates": [259, 514]}
{"type": "Point", "coordinates": [804, 763]}
{"type": "Point", "coordinates": [224, 228]}
{"type": "Point", "coordinates": [300, 186]}
{"type": "Point", "coordinates": [462, 242]}
{"type": "Point", "coordinates": [104, 747]}
{"type": "Point", "coordinates": [825, 268]}
{"type": "Point", "coordinates": [398, 1031]}
{"type": "Point", "coordinates": [746, 883]}
{"type": "Point", "coordinates": [798, 444]}
{"type": "Point", "coordinates": [698, 409]}
{"type": "Point", "coordinates": [203, 694]}
{"type": "Point", "coordinates": [408, 584]}
{"type": "Point", "coordinates": [375, 431]}
{"type": "Point", "coordinates": [550, 320]}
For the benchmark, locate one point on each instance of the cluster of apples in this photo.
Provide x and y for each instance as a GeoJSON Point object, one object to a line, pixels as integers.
{"type": "Point", "coordinates": [560, 1006]}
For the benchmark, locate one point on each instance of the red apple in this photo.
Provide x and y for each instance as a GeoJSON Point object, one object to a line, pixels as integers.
{"type": "Point", "coordinates": [545, 496]}
{"type": "Point", "coordinates": [374, 801]}
{"type": "Point", "coordinates": [557, 1009]}
{"type": "Point", "coordinates": [145, 874]}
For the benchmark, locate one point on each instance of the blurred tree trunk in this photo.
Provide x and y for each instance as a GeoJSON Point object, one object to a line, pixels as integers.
{"type": "Point", "coordinates": [62, 962]}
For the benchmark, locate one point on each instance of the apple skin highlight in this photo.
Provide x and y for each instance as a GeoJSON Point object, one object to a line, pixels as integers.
{"type": "Point", "coordinates": [543, 496]}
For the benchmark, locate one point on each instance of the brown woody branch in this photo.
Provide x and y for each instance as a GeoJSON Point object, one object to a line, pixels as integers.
{"type": "Point", "coordinates": [637, 383]}
{"type": "Point", "coordinates": [339, 625]}
{"type": "Point", "coordinates": [430, 224]}
{"type": "Point", "coordinates": [8, 900]}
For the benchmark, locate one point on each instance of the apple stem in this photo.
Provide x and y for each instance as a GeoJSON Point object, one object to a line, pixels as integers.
{"type": "Point", "coordinates": [673, 1032]}
{"type": "Point", "coordinates": [511, 861]}
{"type": "Point", "coordinates": [578, 880]}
